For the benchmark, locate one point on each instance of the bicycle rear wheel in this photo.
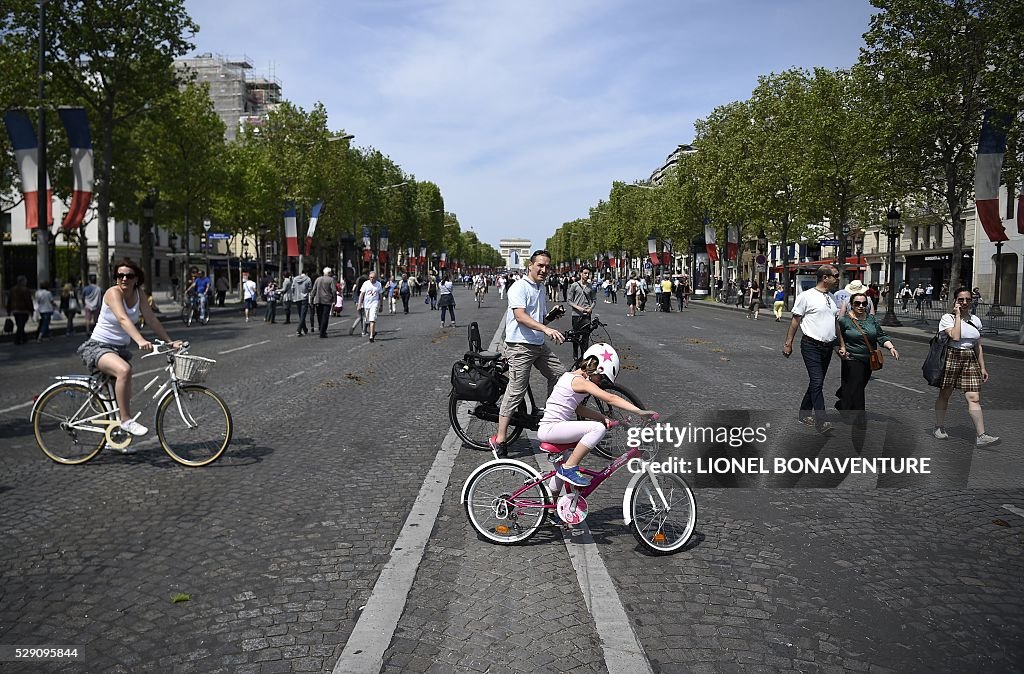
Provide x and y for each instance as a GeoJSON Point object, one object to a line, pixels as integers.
{"type": "Point", "coordinates": [480, 423]}
{"type": "Point", "coordinates": [54, 424]}
{"type": "Point", "coordinates": [613, 445]}
{"type": "Point", "coordinates": [186, 315]}
{"type": "Point", "coordinates": [662, 530]}
{"type": "Point", "coordinates": [498, 516]}
{"type": "Point", "coordinates": [197, 433]}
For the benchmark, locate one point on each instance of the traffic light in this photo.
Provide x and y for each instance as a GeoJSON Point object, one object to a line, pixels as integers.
{"type": "Point", "coordinates": [203, 241]}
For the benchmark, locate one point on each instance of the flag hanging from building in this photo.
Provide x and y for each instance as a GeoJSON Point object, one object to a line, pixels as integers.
{"type": "Point", "coordinates": [23, 141]}
{"type": "Point", "coordinates": [652, 249]}
{"type": "Point", "coordinates": [76, 125]}
{"type": "Point", "coordinates": [290, 232]}
{"type": "Point", "coordinates": [987, 170]}
{"type": "Point", "coordinates": [443, 261]}
{"type": "Point", "coordinates": [709, 240]}
{"type": "Point", "coordinates": [312, 225]}
{"type": "Point", "coordinates": [732, 243]}
{"type": "Point", "coordinates": [423, 251]}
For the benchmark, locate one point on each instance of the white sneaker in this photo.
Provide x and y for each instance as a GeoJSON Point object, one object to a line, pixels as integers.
{"type": "Point", "coordinates": [939, 434]}
{"type": "Point", "coordinates": [985, 439]}
{"type": "Point", "coordinates": [134, 427]}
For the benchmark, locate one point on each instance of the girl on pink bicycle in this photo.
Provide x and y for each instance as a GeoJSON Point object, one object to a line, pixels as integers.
{"type": "Point", "coordinates": [559, 424]}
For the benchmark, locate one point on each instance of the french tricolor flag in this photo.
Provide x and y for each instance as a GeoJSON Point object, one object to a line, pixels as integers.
{"type": "Point", "coordinates": [76, 125]}
{"type": "Point", "coordinates": [709, 239]}
{"type": "Point", "coordinates": [23, 140]}
{"type": "Point", "coordinates": [989, 166]}
{"type": "Point", "coordinates": [732, 243]}
{"type": "Point", "coordinates": [312, 225]}
{"type": "Point", "coordinates": [291, 233]}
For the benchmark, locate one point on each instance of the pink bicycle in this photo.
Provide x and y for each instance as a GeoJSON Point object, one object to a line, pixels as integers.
{"type": "Point", "coordinates": [507, 500]}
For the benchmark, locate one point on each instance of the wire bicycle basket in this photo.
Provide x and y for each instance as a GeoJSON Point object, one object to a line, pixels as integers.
{"type": "Point", "coordinates": [192, 368]}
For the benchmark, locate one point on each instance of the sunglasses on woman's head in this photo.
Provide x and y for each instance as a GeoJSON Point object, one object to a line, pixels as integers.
{"type": "Point", "coordinates": [122, 275]}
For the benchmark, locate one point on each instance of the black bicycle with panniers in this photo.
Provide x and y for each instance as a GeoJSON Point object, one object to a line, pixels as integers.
{"type": "Point", "coordinates": [479, 381]}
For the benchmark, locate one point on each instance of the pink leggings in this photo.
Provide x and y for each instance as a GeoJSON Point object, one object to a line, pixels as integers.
{"type": "Point", "coordinates": [564, 432]}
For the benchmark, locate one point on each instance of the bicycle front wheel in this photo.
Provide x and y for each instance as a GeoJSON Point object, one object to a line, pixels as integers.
{"type": "Point", "coordinates": [56, 427]}
{"type": "Point", "coordinates": [480, 423]}
{"type": "Point", "coordinates": [613, 444]}
{"type": "Point", "coordinates": [499, 516]}
{"type": "Point", "coordinates": [186, 315]}
{"type": "Point", "coordinates": [194, 426]}
{"type": "Point", "coordinates": [662, 530]}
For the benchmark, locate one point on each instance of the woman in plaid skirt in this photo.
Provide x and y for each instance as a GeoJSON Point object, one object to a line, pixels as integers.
{"type": "Point", "coordinates": [965, 367]}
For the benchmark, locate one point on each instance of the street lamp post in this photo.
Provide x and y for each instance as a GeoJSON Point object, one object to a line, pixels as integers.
{"type": "Point", "coordinates": [892, 230]}
{"type": "Point", "coordinates": [844, 236]}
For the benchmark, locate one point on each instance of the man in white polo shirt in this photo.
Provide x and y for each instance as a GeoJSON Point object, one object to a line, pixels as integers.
{"type": "Point", "coordinates": [815, 312]}
{"type": "Point", "coordinates": [371, 299]}
{"type": "Point", "coordinates": [525, 332]}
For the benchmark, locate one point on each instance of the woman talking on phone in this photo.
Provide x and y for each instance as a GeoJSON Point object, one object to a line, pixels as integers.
{"type": "Point", "coordinates": [964, 369]}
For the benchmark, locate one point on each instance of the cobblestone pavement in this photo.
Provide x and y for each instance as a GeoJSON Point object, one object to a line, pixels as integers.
{"type": "Point", "coordinates": [280, 542]}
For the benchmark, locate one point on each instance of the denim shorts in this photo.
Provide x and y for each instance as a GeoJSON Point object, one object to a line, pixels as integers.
{"type": "Point", "coordinates": [91, 352]}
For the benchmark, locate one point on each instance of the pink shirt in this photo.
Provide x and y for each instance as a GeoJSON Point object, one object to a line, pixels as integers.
{"type": "Point", "coordinates": [563, 401]}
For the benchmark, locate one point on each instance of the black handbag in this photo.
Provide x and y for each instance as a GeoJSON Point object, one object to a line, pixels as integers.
{"type": "Point", "coordinates": [475, 382]}
{"type": "Point", "coordinates": [935, 361]}
{"type": "Point", "coordinates": [8, 325]}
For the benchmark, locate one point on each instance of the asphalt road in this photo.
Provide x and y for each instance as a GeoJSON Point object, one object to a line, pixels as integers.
{"type": "Point", "coordinates": [281, 543]}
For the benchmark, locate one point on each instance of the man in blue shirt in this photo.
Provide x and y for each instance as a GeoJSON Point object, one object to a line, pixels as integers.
{"type": "Point", "coordinates": [525, 332]}
{"type": "Point", "coordinates": [201, 285]}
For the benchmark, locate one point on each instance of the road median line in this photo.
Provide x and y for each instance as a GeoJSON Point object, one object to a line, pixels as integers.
{"type": "Point", "coordinates": [373, 632]}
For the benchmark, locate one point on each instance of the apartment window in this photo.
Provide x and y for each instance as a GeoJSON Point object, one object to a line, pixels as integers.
{"type": "Point", "coordinates": [878, 242]}
{"type": "Point", "coordinates": [938, 235]}
{"type": "Point", "coordinates": [5, 225]}
{"type": "Point", "coordinates": [126, 234]}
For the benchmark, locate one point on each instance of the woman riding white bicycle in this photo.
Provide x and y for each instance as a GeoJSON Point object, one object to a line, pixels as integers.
{"type": "Point", "coordinates": [565, 403]}
{"type": "Point", "coordinates": [106, 349]}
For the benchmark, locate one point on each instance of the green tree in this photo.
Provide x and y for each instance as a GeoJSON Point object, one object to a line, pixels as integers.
{"type": "Point", "coordinates": [181, 142]}
{"type": "Point", "coordinates": [116, 57]}
{"type": "Point", "coordinates": [937, 66]}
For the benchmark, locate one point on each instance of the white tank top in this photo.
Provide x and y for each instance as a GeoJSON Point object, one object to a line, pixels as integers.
{"type": "Point", "coordinates": [563, 401]}
{"type": "Point", "coordinates": [108, 329]}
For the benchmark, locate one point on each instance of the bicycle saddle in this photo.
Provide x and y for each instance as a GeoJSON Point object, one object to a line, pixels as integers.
{"type": "Point", "coordinates": [552, 448]}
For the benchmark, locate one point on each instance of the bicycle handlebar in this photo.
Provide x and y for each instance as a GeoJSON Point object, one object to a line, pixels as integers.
{"type": "Point", "coordinates": [158, 349]}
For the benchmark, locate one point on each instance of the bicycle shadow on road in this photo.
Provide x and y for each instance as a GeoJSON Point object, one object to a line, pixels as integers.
{"type": "Point", "coordinates": [606, 526]}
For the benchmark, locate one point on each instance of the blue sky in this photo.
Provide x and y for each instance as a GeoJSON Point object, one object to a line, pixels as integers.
{"type": "Point", "coordinates": [525, 112]}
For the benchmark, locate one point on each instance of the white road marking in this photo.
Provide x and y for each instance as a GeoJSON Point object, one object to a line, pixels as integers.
{"type": "Point", "coordinates": [357, 346]}
{"type": "Point", "coordinates": [297, 374]}
{"type": "Point", "coordinates": [364, 650]}
{"type": "Point", "coordinates": [247, 346]}
{"type": "Point", "coordinates": [623, 652]}
{"type": "Point", "coordinates": [770, 348]}
{"type": "Point", "coordinates": [16, 407]}
{"type": "Point", "coordinates": [892, 383]}
{"type": "Point", "coordinates": [697, 327]}
{"type": "Point", "coordinates": [750, 385]}
{"type": "Point", "coordinates": [1014, 509]}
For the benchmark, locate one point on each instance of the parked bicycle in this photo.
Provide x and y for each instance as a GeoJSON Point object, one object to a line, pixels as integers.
{"type": "Point", "coordinates": [506, 500]}
{"type": "Point", "coordinates": [488, 370]}
{"type": "Point", "coordinates": [192, 311]}
{"type": "Point", "coordinates": [77, 416]}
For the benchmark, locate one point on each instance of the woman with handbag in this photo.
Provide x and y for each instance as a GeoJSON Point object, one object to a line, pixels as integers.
{"type": "Point", "coordinates": [859, 338]}
{"type": "Point", "coordinates": [964, 368]}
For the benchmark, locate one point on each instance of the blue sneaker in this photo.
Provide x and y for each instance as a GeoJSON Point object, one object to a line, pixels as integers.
{"type": "Point", "coordinates": [573, 476]}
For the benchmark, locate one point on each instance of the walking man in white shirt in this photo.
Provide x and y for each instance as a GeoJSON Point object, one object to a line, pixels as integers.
{"type": "Point", "coordinates": [371, 299]}
{"type": "Point", "coordinates": [815, 313]}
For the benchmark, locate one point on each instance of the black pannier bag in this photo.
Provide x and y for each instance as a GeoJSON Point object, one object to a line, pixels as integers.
{"type": "Point", "coordinates": [476, 382]}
